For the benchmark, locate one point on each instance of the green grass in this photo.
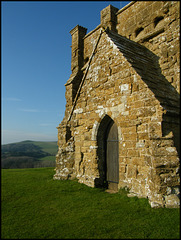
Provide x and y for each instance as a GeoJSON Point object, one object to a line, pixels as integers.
{"type": "Point", "coordinates": [34, 206]}
{"type": "Point", "coordinates": [50, 147]}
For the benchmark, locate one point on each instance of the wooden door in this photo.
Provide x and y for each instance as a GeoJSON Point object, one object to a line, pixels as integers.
{"type": "Point", "coordinates": [112, 157]}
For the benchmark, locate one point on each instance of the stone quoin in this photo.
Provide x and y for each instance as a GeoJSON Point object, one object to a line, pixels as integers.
{"type": "Point", "coordinates": [121, 123]}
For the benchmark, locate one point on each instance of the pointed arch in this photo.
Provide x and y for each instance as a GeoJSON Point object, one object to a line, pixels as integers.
{"type": "Point", "coordinates": [103, 130]}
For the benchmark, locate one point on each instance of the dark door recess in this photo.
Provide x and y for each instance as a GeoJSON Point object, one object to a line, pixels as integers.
{"type": "Point", "coordinates": [112, 158]}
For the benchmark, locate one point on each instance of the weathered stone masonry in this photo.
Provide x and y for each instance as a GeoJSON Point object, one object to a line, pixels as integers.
{"type": "Point", "coordinates": [131, 80]}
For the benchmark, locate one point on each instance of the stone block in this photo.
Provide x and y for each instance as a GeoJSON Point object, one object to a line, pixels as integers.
{"type": "Point", "coordinates": [172, 201]}
{"type": "Point", "coordinates": [131, 171]}
{"type": "Point", "coordinates": [133, 153]}
{"type": "Point", "coordinates": [143, 136]}
{"type": "Point", "coordinates": [130, 137]}
{"type": "Point", "coordinates": [128, 144]}
{"type": "Point", "coordinates": [138, 161]}
{"type": "Point", "coordinates": [122, 168]}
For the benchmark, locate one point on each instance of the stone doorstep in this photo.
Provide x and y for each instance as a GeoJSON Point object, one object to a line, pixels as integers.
{"type": "Point", "coordinates": [111, 191]}
{"type": "Point", "coordinates": [112, 187]}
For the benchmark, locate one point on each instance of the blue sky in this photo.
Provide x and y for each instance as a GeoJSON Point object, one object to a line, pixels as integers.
{"type": "Point", "coordinates": [36, 62]}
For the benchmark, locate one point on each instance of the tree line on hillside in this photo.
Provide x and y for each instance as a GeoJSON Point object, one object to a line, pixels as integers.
{"type": "Point", "coordinates": [23, 155]}
{"type": "Point", "coordinates": [25, 162]}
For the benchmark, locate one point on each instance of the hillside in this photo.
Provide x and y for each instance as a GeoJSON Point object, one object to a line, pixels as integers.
{"type": "Point", "coordinates": [28, 154]}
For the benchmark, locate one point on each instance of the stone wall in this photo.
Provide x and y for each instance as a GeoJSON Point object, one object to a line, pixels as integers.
{"type": "Point", "coordinates": [133, 80]}
{"type": "Point", "coordinates": [156, 25]}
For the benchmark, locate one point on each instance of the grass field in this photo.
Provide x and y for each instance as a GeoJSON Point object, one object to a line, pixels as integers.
{"type": "Point", "coordinates": [50, 147]}
{"type": "Point", "coordinates": [34, 206]}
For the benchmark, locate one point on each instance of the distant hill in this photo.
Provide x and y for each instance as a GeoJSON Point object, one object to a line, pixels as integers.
{"type": "Point", "coordinates": [28, 154]}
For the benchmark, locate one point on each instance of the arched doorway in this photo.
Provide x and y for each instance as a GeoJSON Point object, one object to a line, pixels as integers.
{"type": "Point", "coordinates": [108, 154]}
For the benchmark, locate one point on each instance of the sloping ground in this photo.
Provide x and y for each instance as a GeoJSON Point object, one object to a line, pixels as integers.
{"type": "Point", "coordinates": [28, 154]}
{"type": "Point", "coordinates": [50, 147]}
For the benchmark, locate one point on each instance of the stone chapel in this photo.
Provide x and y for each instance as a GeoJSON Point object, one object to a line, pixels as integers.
{"type": "Point", "coordinates": [121, 123]}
